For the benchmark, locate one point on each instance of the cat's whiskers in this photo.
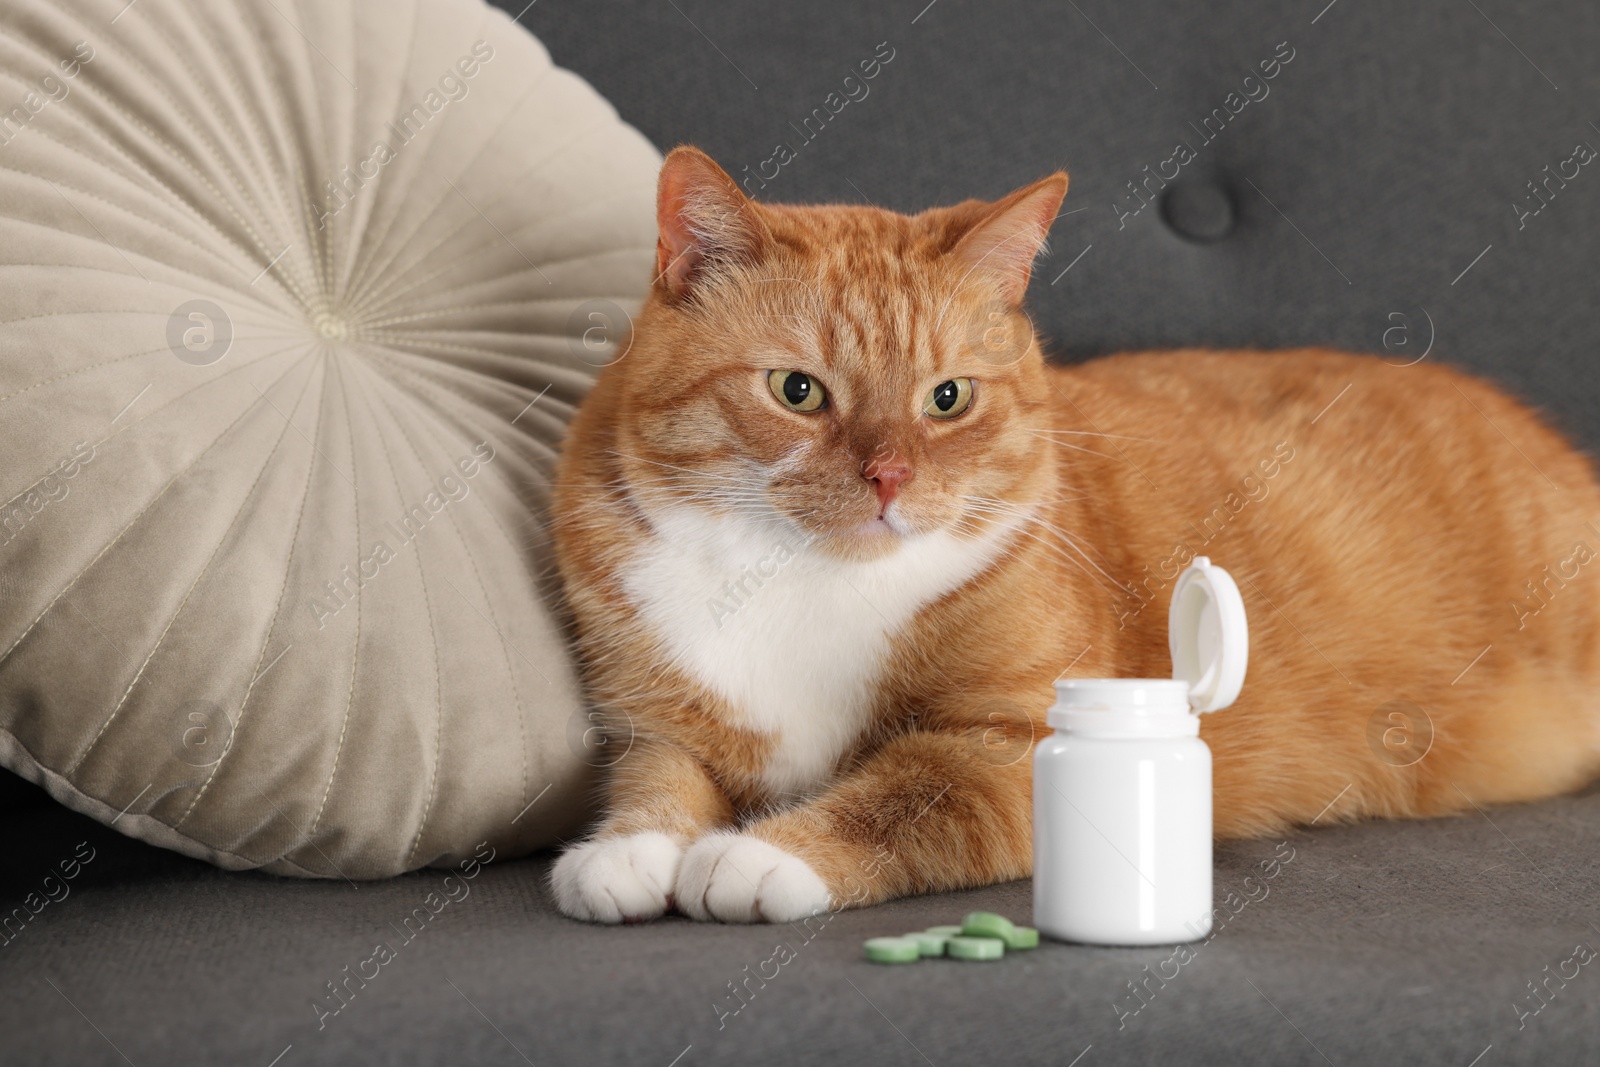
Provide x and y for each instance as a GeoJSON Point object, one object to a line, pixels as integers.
{"type": "Point", "coordinates": [708, 475]}
{"type": "Point", "coordinates": [601, 513]}
{"type": "Point", "coordinates": [743, 496]}
{"type": "Point", "coordinates": [1096, 433]}
{"type": "Point", "coordinates": [1066, 557]}
{"type": "Point", "coordinates": [992, 505]}
{"type": "Point", "coordinates": [1024, 536]}
{"type": "Point", "coordinates": [1040, 434]}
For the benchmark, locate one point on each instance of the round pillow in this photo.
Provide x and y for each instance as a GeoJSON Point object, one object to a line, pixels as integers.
{"type": "Point", "coordinates": [297, 301]}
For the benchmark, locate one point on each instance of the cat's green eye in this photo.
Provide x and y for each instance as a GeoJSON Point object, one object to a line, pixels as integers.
{"type": "Point", "coordinates": [948, 399]}
{"type": "Point", "coordinates": [797, 391]}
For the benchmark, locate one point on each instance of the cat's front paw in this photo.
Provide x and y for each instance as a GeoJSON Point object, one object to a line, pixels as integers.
{"type": "Point", "coordinates": [736, 878]}
{"type": "Point", "coordinates": [617, 879]}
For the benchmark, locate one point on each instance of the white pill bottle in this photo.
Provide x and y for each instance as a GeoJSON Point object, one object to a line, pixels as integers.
{"type": "Point", "coordinates": [1122, 787]}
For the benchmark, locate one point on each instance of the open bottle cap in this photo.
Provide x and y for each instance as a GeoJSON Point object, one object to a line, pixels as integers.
{"type": "Point", "coordinates": [1208, 635]}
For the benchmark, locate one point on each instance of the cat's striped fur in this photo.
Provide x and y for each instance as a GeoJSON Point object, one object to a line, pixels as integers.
{"type": "Point", "coordinates": [832, 699]}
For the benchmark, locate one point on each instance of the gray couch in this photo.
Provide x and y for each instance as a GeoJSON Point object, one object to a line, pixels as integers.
{"type": "Point", "coordinates": [1372, 194]}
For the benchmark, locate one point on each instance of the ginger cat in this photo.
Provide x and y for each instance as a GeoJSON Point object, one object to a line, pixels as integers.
{"type": "Point", "coordinates": [833, 526]}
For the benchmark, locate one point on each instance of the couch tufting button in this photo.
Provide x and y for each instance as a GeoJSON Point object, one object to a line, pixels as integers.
{"type": "Point", "coordinates": [1199, 211]}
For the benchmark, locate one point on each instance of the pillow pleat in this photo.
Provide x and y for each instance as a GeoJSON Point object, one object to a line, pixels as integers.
{"type": "Point", "coordinates": [296, 303]}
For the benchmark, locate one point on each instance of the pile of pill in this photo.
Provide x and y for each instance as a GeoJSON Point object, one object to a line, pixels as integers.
{"type": "Point", "coordinates": [982, 935]}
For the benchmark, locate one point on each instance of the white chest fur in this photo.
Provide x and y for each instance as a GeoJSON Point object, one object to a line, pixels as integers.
{"type": "Point", "coordinates": [792, 640]}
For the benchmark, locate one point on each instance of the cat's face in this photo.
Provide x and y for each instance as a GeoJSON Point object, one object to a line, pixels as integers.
{"type": "Point", "coordinates": [861, 376]}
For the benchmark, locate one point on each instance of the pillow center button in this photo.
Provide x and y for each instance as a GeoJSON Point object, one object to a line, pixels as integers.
{"type": "Point", "coordinates": [1199, 211]}
{"type": "Point", "coordinates": [331, 327]}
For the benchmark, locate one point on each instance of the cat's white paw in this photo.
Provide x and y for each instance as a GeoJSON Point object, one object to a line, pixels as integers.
{"type": "Point", "coordinates": [736, 878]}
{"type": "Point", "coordinates": [617, 879]}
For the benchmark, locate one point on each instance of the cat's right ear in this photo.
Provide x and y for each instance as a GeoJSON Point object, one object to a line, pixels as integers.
{"type": "Point", "coordinates": [704, 221]}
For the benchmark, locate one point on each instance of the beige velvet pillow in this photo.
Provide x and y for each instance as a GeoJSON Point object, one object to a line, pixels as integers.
{"type": "Point", "coordinates": [296, 300]}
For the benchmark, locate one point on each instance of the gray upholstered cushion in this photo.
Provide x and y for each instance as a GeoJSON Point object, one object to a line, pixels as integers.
{"type": "Point", "coordinates": [1396, 140]}
{"type": "Point", "coordinates": [279, 284]}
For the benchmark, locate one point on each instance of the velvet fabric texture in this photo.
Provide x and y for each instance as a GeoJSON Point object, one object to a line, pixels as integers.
{"type": "Point", "coordinates": [297, 302]}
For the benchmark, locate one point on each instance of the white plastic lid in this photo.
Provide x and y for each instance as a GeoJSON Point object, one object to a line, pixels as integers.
{"type": "Point", "coordinates": [1210, 646]}
{"type": "Point", "coordinates": [1208, 636]}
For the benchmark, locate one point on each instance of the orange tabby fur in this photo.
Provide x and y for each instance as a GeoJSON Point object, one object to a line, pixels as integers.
{"type": "Point", "coordinates": [1405, 510]}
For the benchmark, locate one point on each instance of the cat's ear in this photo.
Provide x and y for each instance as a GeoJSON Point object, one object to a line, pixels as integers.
{"type": "Point", "coordinates": [1004, 241]}
{"type": "Point", "coordinates": [703, 219]}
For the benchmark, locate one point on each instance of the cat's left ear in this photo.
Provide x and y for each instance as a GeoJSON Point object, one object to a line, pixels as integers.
{"type": "Point", "coordinates": [1006, 239]}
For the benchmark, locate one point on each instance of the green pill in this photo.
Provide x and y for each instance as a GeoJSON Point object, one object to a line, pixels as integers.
{"type": "Point", "coordinates": [1023, 937]}
{"type": "Point", "coordinates": [987, 924]}
{"type": "Point", "coordinates": [943, 931]}
{"type": "Point", "coordinates": [975, 948]}
{"type": "Point", "coordinates": [930, 943]}
{"type": "Point", "coordinates": [893, 950]}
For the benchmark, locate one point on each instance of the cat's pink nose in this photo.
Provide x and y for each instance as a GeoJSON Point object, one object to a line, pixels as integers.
{"type": "Point", "coordinates": [887, 477]}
